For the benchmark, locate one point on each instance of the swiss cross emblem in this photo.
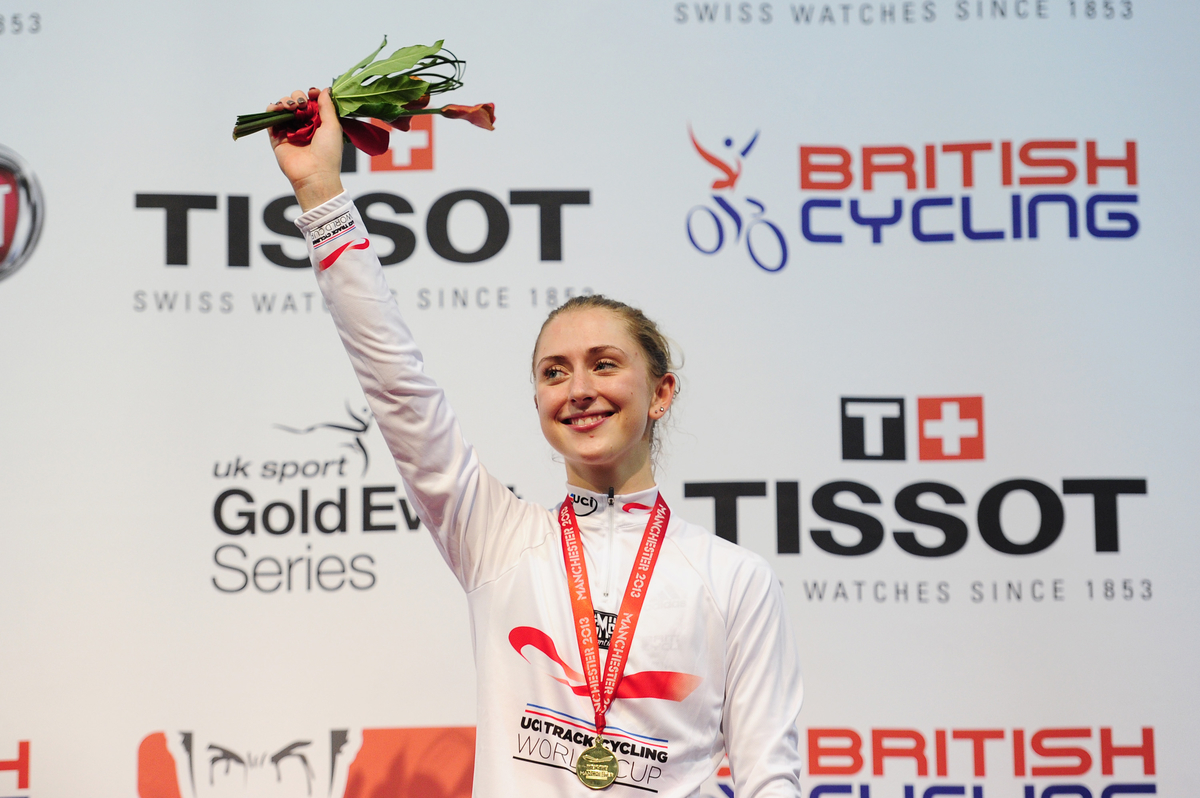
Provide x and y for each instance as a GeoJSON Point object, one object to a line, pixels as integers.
{"type": "Point", "coordinates": [950, 427]}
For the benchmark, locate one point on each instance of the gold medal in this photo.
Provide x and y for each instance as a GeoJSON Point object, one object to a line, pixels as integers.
{"type": "Point", "coordinates": [596, 767]}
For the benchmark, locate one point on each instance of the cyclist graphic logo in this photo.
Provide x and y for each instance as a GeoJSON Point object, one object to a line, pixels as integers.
{"type": "Point", "coordinates": [706, 225]}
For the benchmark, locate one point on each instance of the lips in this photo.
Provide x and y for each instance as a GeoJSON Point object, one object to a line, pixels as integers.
{"type": "Point", "coordinates": [587, 420]}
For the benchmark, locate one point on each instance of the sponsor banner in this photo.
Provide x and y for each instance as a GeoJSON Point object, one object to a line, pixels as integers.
{"type": "Point", "coordinates": [337, 762]}
{"type": "Point", "coordinates": [929, 268]}
{"type": "Point", "coordinates": [15, 772]}
{"type": "Point", "coordinates": [22, 211]}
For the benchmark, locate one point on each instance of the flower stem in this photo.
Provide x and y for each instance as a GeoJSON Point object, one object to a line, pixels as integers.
{"type": "Point", "coordinates": [252, 123]}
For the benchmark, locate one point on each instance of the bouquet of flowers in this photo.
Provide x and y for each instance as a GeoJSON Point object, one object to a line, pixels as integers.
{"type": "Point", "coordinates": [392, 90]}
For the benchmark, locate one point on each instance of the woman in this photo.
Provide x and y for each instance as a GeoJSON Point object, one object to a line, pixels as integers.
{"type": "Point", "coordinates": [714, 667]}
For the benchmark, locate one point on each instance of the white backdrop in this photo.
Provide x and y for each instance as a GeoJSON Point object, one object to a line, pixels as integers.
{"type": "Point", "coordinates": [135, 393]}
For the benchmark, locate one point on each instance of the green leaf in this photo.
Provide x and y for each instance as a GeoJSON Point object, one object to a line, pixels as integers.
{"type": "Point", "coordinates": [346, 75]}
{"type": "Point", "coordinates": [375, 83]}
{"type": "Point", "coordinates": [390, 92]}
{"type": "Point", "coordinates": [400, 61]}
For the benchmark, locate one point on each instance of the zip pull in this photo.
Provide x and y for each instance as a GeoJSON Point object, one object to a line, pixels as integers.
{"type": "Point", "coordinates": [612, 520]}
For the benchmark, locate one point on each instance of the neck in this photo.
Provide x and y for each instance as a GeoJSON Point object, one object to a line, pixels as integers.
{"type": "Point", "coordinates": [599, 479]}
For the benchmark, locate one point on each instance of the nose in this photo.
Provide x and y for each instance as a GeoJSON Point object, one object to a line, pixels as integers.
{"type": "Point", "coordinates": [582, 389]}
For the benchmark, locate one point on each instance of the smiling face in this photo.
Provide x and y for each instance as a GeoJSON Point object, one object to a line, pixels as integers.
{"type": "Point", "coordinates": [597, 400]}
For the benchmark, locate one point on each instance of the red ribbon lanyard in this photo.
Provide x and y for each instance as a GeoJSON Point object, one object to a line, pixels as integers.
{"type": "Point", "coordinates": [631, 605]}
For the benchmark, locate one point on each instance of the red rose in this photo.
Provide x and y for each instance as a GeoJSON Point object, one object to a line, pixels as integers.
{"type": "Point", "coordinates": [300, 128]}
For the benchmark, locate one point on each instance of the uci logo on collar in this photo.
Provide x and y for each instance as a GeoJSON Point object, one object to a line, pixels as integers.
{"type": "Point", "coordinates": [584, 505]}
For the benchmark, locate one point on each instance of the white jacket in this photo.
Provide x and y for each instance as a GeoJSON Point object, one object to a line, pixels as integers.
{"type": "Point", "coordinates": [713, 665]}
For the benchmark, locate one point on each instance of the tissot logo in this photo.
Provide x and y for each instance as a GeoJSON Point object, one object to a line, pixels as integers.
{"type": "Point", "coordinates": [21, 212]}
{"type": "Point", "coordinates": [398, 241]}
{"type": "Point", "coordinates": [950, 427]}
{"type": "Point", "coordinates": [872, 428]}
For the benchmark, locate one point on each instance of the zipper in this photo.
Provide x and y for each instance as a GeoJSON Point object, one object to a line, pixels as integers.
{"type": "Point", "coordinates": [612, 522]}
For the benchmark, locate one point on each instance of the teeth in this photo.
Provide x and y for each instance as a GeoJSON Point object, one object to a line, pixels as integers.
{"type": "Point", "coordinates": [581, 420]}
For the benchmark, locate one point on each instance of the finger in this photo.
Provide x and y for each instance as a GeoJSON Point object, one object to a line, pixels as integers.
{"type": "Point", "coordinates": [296, 99]}
{"type": "Point", "coordinates": [330, 131]}
{"type": "Point", "coordinates": [329, 114]}
{"type": "Point", "coordinates": [325, 104]}
{"type": "Point", "coordinates": [275, 140]}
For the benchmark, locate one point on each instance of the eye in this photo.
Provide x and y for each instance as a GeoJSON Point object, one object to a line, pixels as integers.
{"type": "Point", "coordinates": [553, 372]}
{"type": "Point", "coordinates": [604, 365]}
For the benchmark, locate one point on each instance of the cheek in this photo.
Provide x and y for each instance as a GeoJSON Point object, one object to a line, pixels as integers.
{"type": "Point", "coordinates": [545, 402]}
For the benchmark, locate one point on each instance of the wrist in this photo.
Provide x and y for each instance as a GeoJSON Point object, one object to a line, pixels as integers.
{"type": "Point", "coordinates": [316, 190]}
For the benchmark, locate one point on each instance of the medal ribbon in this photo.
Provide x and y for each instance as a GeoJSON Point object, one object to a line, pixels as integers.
{"type": "Point", "coordinates": [603, 690]}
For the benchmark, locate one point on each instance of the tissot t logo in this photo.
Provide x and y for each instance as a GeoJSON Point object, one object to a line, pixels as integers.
{"type": "Point", "coordinates": [950, 427]}
{"type": "Point", "coordinates": [872, 428]}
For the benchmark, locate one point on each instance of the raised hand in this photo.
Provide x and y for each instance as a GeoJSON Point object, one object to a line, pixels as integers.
{"type": "Point", "coordinates": [315, 169]}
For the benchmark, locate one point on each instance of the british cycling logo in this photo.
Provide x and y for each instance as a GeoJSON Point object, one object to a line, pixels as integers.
{"type": "Point", "coordinates": [21, 212]}
{"type": "Point", "coordinates": [18, 766]}
{"type": "Point", "coordinates": [707, 224]}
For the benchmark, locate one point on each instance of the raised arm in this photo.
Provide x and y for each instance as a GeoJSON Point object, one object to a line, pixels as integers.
{"type": "Point", "coordinates": [478, 525]}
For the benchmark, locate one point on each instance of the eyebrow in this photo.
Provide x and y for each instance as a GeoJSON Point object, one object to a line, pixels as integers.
{"type": "Point", "coordinates": [595, 350]}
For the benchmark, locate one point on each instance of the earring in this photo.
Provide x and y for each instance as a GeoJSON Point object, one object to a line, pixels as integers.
{"type": "Point", "coordinates": [662, 409]}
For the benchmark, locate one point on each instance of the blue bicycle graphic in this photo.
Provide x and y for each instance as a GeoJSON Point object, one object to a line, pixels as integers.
{"type": "Point", "coordinates": [768, 249]}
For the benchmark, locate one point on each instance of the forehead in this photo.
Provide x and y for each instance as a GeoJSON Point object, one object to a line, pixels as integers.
{"type": "Point", "coordinates": [577, 331]}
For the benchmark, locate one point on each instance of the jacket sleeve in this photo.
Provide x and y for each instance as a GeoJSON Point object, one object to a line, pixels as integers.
{"type": "Point", "coordinates": [479, 526]}
{"type": "Point", "coordinates": [763, 688]}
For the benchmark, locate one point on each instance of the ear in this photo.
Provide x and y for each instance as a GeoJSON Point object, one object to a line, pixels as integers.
{"type": "Point", "coordinates": [663, 395]}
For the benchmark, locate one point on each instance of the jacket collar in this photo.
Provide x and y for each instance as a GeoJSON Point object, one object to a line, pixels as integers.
{"type": "Point", "coordinates": [628, 506]}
